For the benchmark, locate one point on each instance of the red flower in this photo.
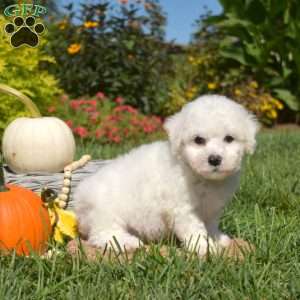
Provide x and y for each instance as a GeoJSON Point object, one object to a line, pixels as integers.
{"type": "Point", "coordinates": [126, 132]}
{"type": "Point", "coordinates": [64, 98]}
{"type": "Point", "coordinates": [81, 131]}
{"type": "Point", "coordinates": [119, 100]}
{"type": "Point", "coordinates": [116, 139]}
{"type": "Point", "coordinates": [127, 108]}
{"type": "Point", "coordinates": [51, 109]}
{"type": "Point", "coordinates": [112, 118]}
{"type": "Point", "coordinates": [147, 127]}
{"type": "Point", "coordinates": [157, 119]}
{"type": "Point", "coordinates": [100, 95]}
{"type": "Point", "coordinates": [134, 121]}
{"type": "Point", "coordinates": [89, 109]}
{"type": "Point", "coordinates": [69, 123]}
{"type": "Point", "coordinates": [75, 104]}
{"type": "Point", "coordinates": [114, 129]}
{"type": "Point", "coordinates": [99, 133]}
{"type": "Point", "coordinates": [92, 102]}
{"type": "Point", "coordinates": [94, 116]}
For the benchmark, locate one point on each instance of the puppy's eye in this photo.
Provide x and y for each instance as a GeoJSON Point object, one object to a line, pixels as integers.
{"type": "Point", "coordinates": [228, 139]}
{"type": "Point", "coordinates": [199, 140]}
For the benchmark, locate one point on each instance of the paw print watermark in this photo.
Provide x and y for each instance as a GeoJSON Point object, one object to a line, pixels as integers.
{"type": "Point", "coordinates": [24, 30]}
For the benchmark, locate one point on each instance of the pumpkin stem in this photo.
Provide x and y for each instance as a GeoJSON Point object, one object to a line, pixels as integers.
{"type": "Point", "coordinates": [3, 188]}
{"type": "Point", "coordinates": [34, 111]}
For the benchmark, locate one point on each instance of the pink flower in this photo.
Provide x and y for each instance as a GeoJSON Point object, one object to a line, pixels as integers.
{"type": "Point", "coordinates": [114, 129]}
{"type": "Point", "coordinates": [100, 95]}
{"type": "Point", "coordinates": [113, 118]}
{"type": "Point", "coordinates": [126, 132]}
{"type": "Point", "coordinates": [127, 108]}
{"type": "Point", "coordinates": [51, 109]}
{"type": "Point", "coordinates": [69, 123]}
{"type": "Point", "coordinates": [119, 100]}
{"type": "Point", "coordinates": [81, 131]}
{"type": "Point", "coordinates": [157, 119]}
{"type": "Point", "coordinates": [64, 98]}
{"type": "Point", "coordinates": [94, 116]}
{"type": "Point", "coordinates": [92, 102]}
{"type": "Point", "coordinates": [148, 128]}
{"type": "Point", "coordinates": [99, 133]}
{"type": "Point", "coordinates": [89, 109]}
{"type": "Point", "coordinates": [75, 104]}
{"type": "Point", "coordinates": [134, 121]}
{"type": "Point", "coordinates": [116, 139]}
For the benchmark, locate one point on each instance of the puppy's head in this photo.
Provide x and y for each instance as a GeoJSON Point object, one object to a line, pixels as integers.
{"type": "Point", "coordinates": [211, 134]}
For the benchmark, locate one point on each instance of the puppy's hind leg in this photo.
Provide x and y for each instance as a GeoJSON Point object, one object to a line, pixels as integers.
{"type": "Point", "coordinates": [116, 239]}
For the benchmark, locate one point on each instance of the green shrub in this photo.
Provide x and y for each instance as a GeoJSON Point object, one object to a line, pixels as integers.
{"type": "Point", "coordinates": [182, 88]}
{"type": "Point", "coordinates": [20, 69]}
{"type": "Point", "coordinates": [262, 37]}
{"type": "Point", "coordinates": [118, 49]}
{"type": "Point", "coordinates": [218, 74]}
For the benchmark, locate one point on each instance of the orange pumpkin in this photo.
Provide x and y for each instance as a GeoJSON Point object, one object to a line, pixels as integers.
{"type": "Point", "coordinates": [24, 221]}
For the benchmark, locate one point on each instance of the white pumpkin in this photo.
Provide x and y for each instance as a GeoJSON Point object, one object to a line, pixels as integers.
{"type": "Point", "coordinates": [43, 144]}
{"type": "Point", "coordinates": [38, 144]}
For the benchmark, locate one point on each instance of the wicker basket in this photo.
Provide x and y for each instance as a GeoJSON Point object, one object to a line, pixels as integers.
{"type": "Point", "coordinates": [36, 181]}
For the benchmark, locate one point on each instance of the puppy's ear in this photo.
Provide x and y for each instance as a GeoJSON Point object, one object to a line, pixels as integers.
{"type": "Point", "coordinates": [173, 126]}
{"type": "Point", "coordinates": [253, 127]}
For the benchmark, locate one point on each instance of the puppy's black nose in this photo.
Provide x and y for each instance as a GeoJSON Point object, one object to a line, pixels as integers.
{"type": "Point", "coordinates": [214, 160]}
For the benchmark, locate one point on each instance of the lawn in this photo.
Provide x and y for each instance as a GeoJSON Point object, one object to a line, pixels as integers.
{"type": "Point", "coordinates": [265, 211]}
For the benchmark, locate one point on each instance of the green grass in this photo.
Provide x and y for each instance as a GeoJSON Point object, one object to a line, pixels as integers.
{"type": "Point", "coordinates": [265, 211]}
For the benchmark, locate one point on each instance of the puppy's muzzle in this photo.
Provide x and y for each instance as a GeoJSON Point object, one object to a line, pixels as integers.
{"type": "Point", "coordinates": [214, 160]}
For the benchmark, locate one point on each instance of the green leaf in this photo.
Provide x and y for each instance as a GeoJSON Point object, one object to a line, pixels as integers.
{"type": "Point", "coordinates": [129, 44]}
{"type": "Point", "coordinates": [232, 21]}
{"type": "Point", "coordinates": [288, 98]}
{"type": "Point", "coordinates": [256, 12]}
{"type": "Point", "coordinates": [235, 54]}
{"type": "Point", "coordinates": [212, 20]}
{"type": "Point", "coordinates": [254, 51]}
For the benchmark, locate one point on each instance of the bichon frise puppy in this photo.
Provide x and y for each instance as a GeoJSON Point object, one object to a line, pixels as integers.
{"type": "Point", "coordinates": [179, 186]}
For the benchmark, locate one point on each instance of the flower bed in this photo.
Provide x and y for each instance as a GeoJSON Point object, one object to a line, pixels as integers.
{"type": "Point", "coordinates": [106, 121]}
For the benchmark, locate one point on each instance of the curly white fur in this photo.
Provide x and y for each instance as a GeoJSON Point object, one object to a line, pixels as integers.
{"type": "Point", "coordinates": [171, 186]}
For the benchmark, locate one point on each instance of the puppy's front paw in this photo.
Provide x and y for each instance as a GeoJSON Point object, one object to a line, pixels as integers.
{"type": "Point", "coordinates": [201, 245]}
{"type": "Point", "coordinates": [224, 240]}
{"type": "Point", "coordinates": [115, 241]}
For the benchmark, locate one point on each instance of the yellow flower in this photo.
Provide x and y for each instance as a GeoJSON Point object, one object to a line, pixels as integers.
{"type": "Point", "coordinates": [90, 24]}
{"type": "Point", "coordinates": [253, 84]}
{"type": "Point", "coordinates": [62, 25]}
{"type": "Point", "coordinates": [191, 59]}
{"type": "Point", "coordinates": [190, 93]}
{"type": "Point", "coordinates": [272, 114]}
{"type": "Point", "coordinates": [265, 107]}
{"type": "Point", "coordinates": [278, 104]}
{"type": "Point", "coordinates": [74, 48]}
{"type": "Point", "coordinates": [211, 86]}
{"type": "Point", "coordinates": [199, 61]}
{"type": "Point", "coordinates": [237, 92]}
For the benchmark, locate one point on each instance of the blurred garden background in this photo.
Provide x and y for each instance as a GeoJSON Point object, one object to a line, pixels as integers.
{"type": "Point", "coordinates": [108, 69]}
{"type": "Point", "coordinates": [113, 70]}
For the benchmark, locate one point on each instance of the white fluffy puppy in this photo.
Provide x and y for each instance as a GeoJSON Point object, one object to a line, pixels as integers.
{"type": "Point", "coordinates": [178, 186]}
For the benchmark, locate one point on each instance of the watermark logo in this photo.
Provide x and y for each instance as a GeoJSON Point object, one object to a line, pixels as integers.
{"type": "Point", "coordinates": [24, 30]}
